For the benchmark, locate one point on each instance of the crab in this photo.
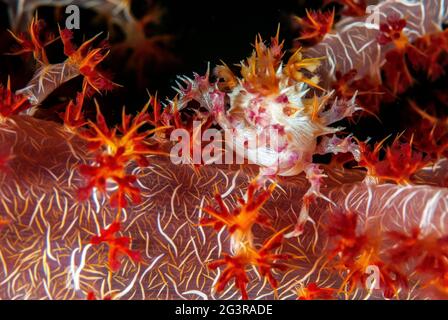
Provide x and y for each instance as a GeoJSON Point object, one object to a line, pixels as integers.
{"type": "Point", "coordinates": [276, 113]}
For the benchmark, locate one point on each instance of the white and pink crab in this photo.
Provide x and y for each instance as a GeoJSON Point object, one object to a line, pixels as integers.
{"type": "Point", "coordinates": [278, 104]}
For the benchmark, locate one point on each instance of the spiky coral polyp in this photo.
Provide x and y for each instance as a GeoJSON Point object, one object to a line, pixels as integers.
{"type": "Point", "coordinates": [35, 41]}
{"type": "Point", "coordinates": [108, 168]}
{"type": "Point", "coordinates": [313, 292]}
{"type": "Point", "coordinates": [87, 59]}
{"type": "Point", "coordinates": [118, 246]}
{"type": "Point", "coordinates": [236, 266]}
{"type": "Point", "coordinates": [392, 32]}
{"type": "Point", "coordinates": [357, 251]}
{"type": "Point", "coordinates": [427, 254]}
{"type": "Point", "coordinates": [240, 221]}
{"type": "Point", "coordinates": [315, 26]}
{"type": "Point", "coordinates": [399, 163]}
{"type": "Point", "coordinates": [239, 224]}
{"type": "Point", "coordinates": [115, 149]}
{"type": "Point", "coordinates": [259, 71]}
{"type": "Point", "coordinates": [11, 103]}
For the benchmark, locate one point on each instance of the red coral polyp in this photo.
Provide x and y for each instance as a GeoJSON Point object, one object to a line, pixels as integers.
{"type": "Point", "coordinates": [109, 169]}
{"type": "Point", "coordinates": [34, 41]}
{"type": "Point", "coordinates": [244, 216]}
{"type": "Point", "coordinates": [267, 261]}
{"type": "Point", "coordinates": [10, 103]}
{"type": "Point", "coordinates": [118, 246]}
{"type": "Point", "coordinates": [313, 292]}
{"type": "Point", "coordinates": [91, 296]}
{"type": "Point", "coordinates": [115, 149]}
{"type": "Point", "coordinates": [315, 26]}
{"type": "Point", "coordinates": [354, 251]}
{"type": "Point", "coordinates": [399, 163]}
{"type": "Point", "coordinates": [429, 54]}
{"type": "Point", "coordinates": [392, 31]}
{"type": "Point", "coordinates": [125, 139]}
{"type": "Point", "coordinates": [73, 116]}
{"type": "Point", "coordinates": [87, 60]}
{"type": "Point", "coordinates": [427, 253]}
{"type": "Point", "coordinates": [343, 227]}
{"type": "Point", "coordinates": [236, 266]}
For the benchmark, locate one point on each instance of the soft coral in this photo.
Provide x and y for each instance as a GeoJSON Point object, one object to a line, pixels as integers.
{"type": "Point", "coordinates": [118, 246]}
{"type": "Point", "coordinates": [87, 59]}
{"type": "Point", "coordinates": [115, 148]}
{"type": "Point", "coordinates": [427, 252]}
{"type": "Point", "coordinates": [263, 259]}
{"type": "Point", "coordinates": [399, 163]}
{"type": "Point", "coordinates": [315, 26]}
{"type": "Point", "coordinates": [357, 250]}
{"type": "Point", "coordinates": [11, 103]}
{"type": "Point", "coordinates": [240, 220]}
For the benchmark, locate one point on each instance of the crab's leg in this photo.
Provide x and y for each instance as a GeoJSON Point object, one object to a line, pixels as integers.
{"type": "Point", "coordinates": [315, 176]}
{"type": "Point", "coordinates": [337, 145]}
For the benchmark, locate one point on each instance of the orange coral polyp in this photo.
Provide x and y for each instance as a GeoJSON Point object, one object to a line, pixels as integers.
{"type": "Point", "coordinates": [399, 163]}
{"type": "Point", "coordinates": [428, 253]}
{"type": "Point", "coordinates": [313, 292]}
{"type": "Point", "coordinates": [315, 25]}
{"type": "Point", "coordinates": [73, 116]}
{"type": "Point", "coordinates": [118, 246]}
{"type": "Point", "coordinates": [357, 251]}
{"type": "Point", "coordinates": [108, 168]}
{"type": "Point", "coordinates": [235, 268]}
{"type": "Point", "coordinates": [297, 66]}
{"type": "Point", "coordinates": [263, 259]}
{"type": "Point", "coordinates": [87, 60]}
{"type": "Point", "coordinates": [11, 103]}
{"type": "Point", "coordinates": [239, 223]}
{"type": "Point", "coordinates": [241, 219]}
{"type": "Point", "coordinates": [116, 148]}
{"type": "Point", "coordinates": [131, 144]}
{"type": "Point", "coordinates": [36, 43]}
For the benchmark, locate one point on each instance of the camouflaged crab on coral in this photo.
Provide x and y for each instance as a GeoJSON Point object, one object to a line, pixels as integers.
{"type": "Point", "coordinates": [107, 214]}
{"type": "Point", "coordinates": [280, 102]}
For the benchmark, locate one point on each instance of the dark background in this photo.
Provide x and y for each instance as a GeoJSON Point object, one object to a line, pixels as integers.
{"type": "Point", "coordinates": [202, 31]}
